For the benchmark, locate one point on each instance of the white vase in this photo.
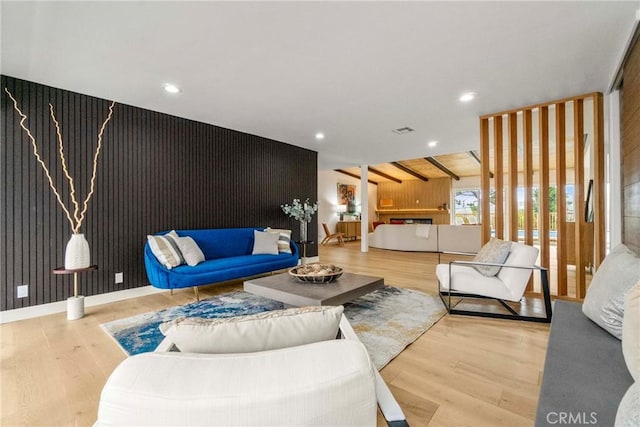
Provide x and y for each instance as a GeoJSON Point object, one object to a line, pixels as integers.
{"type": "Point", "coordinates": [77, 253]}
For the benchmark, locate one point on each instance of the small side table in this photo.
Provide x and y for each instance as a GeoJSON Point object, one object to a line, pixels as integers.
{"type": "Point", "coordinates": [304, 244]}
{"type": "Point", "coordinates": [75, 304]}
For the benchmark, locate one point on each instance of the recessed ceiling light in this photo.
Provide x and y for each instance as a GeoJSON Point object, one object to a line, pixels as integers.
{"type": "Point", "coordinates": [319, 135]}
{"type": "Point", "coordinates": [432, 143]}
{"type": "Point", "coordinates": [468, 96]}
{"type": "Point", "coordinates": [168, 87]}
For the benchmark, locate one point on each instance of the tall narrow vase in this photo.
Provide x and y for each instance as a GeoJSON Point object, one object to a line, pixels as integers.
{"type": "Point", "coordinates": [303, 231]}
{"type": "Point", "coordinates": [77, 253]}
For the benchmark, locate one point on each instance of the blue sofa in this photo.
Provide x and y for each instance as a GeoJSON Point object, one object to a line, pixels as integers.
{"type": "Point", "coordinates": [227, 253]}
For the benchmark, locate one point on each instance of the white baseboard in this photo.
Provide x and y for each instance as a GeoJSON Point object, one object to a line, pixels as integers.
{"type": "Point", "coordinates": [61, 306]}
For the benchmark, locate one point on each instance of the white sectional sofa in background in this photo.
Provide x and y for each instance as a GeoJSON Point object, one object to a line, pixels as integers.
{"type": "Point", "coordinates": [464, 239]}
{"type": "Point", "coordinates": [459, 238]}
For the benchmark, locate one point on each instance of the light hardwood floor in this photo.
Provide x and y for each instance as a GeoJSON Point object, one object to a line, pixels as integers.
{"type": "Point", "coordinates": [463, 371]}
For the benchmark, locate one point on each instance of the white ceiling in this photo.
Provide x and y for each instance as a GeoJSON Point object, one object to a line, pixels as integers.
{"type": "Point", "coordinates": [353, 70]}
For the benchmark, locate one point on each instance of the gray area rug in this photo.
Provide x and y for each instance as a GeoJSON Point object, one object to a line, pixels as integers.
{"type": "Point", "coordinates": [386, 320]}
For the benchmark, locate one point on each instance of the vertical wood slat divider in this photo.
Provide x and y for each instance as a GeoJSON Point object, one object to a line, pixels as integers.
{"type": "Point", "coordinates": [578, 144]}
{"type": "Point", "coordinates": [512, 171]}
{"type": "Point", "coordinates": [598, 181]}
{"type": "Point", "coordinates": [543, 192]}
{"type": "Point", "coordinates": [528, 176]}
{"type": "Point", "coordinates": [485, 184]}
{"type": "Point", "coordinates": [499, 177]}
{"type": "Point", "coordinates": [561, 205]}
{"type": "Point", "coordinates": [527, 140]}
{"type": "Point", "coordinates": [565, 248]}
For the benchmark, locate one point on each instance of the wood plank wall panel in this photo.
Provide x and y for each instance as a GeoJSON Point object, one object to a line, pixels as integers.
{"type": "Point", "coordinates": [630, 150]}
{"type": "Point", "coordinates": [431, 194]}
{"type": "Point", "coordinates": [156, 172]}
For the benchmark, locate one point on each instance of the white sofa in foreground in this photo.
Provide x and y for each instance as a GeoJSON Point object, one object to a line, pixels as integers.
{"type": "Point", "coordinates": [464, 239]}
{"type": "Point", "coordinates": [322, 384]}
{"type": "Point", "coordinates": [326, 383]}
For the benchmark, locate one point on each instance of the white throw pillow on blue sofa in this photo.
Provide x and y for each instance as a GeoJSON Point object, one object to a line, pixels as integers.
{"type": "Point", "coordinates": [265, 243]}
{"type": "Point", "coordinates": [284, 239]}
{"type": "Point", "coordinates": [188, 248]}
{"type": "Point", "coordinates": [165, 250]}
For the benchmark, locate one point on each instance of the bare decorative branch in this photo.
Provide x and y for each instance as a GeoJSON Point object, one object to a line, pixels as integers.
{"type": "Point", "coordinates": [95, 164]}
{"type": "Point", "coordinates": [78, 216]}
{"type": "Point", "coordinates": [72, 187]}
{"type": "Point", "coordinates": [35, 153]}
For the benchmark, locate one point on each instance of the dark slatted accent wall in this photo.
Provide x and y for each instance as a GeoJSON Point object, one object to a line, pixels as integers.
{"type": "Point", "coordinates": [630, 151]}
{"type": "Point", "coordinates": [156, 172]}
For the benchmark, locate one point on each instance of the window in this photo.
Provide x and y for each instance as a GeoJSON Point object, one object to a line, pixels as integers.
{"type": "Point", "coordinates": [466, 206]}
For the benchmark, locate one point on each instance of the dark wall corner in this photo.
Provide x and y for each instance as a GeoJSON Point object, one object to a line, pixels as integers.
{"type": "Point", "coordinates": [156, 172]}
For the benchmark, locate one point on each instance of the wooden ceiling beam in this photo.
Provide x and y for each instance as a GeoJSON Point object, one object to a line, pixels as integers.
{"type": "Point", "coordinates": [384, 175]}
{"type": "Point", "coordinates": [353, 175]}
{"type": "Point", "coordinates": [410, 171]}
{"type": "Point", "coordinates": [477, 159]}
{"type": "Point", "coordinates": [442, 167]}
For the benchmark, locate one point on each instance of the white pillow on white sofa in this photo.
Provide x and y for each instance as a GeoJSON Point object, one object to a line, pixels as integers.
{"type": "Point", "coordinates": [257, 332]}
{"type": "Point", "coordinates": [628, 414]}
{"type": "Point", "coordinates": [604, 302]}
{"type": "Point", "coordinates": [631, 331]}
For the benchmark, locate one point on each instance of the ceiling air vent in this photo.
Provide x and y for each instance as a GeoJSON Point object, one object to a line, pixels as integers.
{"type": "Point", "coordinates": [402, 131]}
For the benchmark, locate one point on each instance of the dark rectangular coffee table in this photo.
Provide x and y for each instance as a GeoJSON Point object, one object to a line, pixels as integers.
{"type": "Point", "coordinates": [287, 289]}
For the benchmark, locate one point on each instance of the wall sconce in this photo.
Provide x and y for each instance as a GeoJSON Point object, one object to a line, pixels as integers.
{"type": "Point", "coordinates": [386, 203]}
{"type": "Point", "coordinates": [341, 209]}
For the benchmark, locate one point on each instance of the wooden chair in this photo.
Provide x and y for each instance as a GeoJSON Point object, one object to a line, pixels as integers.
{"type": "Point", "coordinates": [330, 236]}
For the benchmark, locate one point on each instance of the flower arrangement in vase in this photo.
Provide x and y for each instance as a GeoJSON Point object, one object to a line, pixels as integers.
{"type": "Point", "coordinates": [301, 211]}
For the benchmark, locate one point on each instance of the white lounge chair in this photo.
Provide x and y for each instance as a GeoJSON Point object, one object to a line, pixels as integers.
{"type": "Point", "coordinates": [460, 279]}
